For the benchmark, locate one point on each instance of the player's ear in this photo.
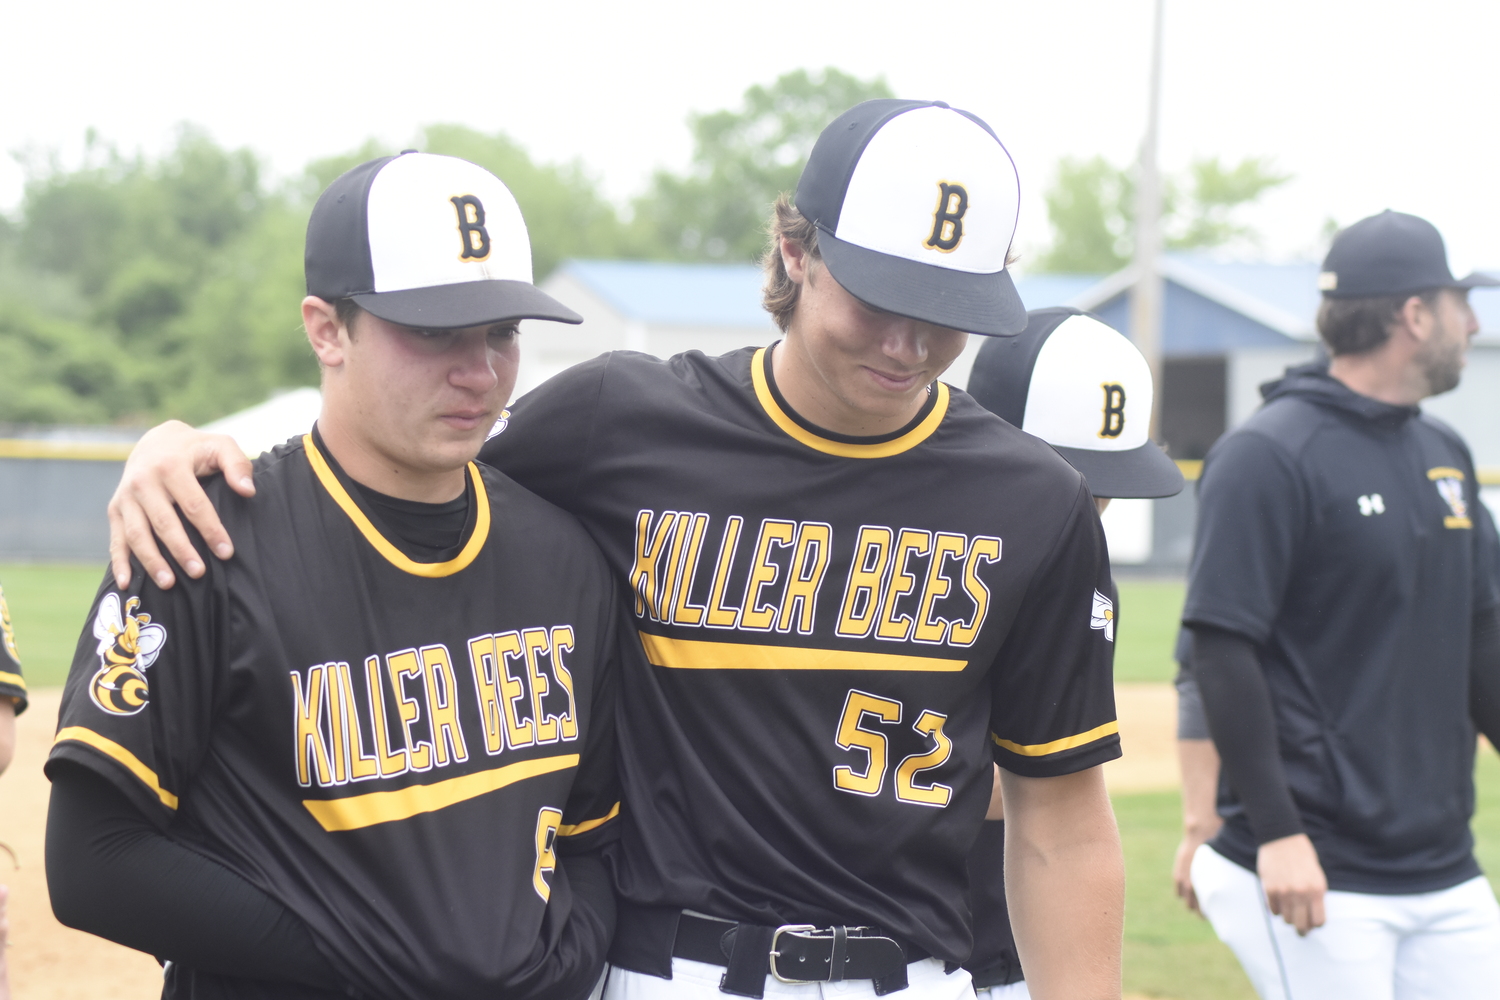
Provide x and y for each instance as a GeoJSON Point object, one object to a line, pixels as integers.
{"type": "Point", "coordinates": [796, 260]}
{"type": "Point", "coordinates": [320, 319]}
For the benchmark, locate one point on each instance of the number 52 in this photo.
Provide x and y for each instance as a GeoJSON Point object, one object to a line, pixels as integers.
{"type": "Point", "coordinates": [853, 736]}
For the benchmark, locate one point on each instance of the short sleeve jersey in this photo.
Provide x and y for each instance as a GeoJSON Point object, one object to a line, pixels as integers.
{"type": "Point", "coordinates": [1345, 537]}
{"type": "Point", "coordinates": [12, 683]}
{"type": "Point", "coordinates": [397, 750]}
{"type": "Point", "coordinates": [843, 634]}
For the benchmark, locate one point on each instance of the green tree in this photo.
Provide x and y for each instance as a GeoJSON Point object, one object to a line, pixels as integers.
{"type": "Point", "coordinates": [743, 159]}
{"type": "Point", "coordinates": [1091, 208]}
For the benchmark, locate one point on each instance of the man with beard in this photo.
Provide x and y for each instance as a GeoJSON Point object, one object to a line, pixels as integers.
{"type": "Point", "coordinates": [1342, 606]}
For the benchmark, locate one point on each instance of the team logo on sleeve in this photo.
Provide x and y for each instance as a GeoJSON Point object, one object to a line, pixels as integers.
{"type": "Point", "coordinates": [1102, 616]}
{"type": "Point", "coordinates": [128, 644]}
{"type": "Point", "coordinates": [500, 424]}
{"type": "Point", "coordinates": [1450, 486]}
{"type": "Point", "coordinates": [7, 633]}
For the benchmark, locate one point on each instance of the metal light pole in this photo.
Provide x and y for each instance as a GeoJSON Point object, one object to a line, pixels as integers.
{"type": "Point", "coordinates": [1146, 295]}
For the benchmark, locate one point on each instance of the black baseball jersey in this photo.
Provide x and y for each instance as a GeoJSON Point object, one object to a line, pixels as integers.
{"type": "Point", "coordinates": [12, 684]}
{"type": "Point", "coordinates": [396, 749]}
{"type": "Point", "coordinates": [1346, 539]}
{"type": "Point", "coordinates": [843, 634]}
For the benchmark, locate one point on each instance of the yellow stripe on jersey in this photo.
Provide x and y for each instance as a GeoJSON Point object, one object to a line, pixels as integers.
{"type": "Point", "coordinates": [843, 449]}
{"type": "Point", "coordinates": [574, 829]}
{"type": "Point", "coordinates": [1057, 746]}
{"type": "Point", "coordinates": [15, 680]}
{"type": "Point", "coordinates": [696, 654]}
{"type": "Point", "coordinates": [132, 763]}
{"type": "Point", "coordinates": [1445, 472]}
{"type": "Point", "coordinates": [372, 535]}
{"type": "Point", "coordinates": [358, 811]}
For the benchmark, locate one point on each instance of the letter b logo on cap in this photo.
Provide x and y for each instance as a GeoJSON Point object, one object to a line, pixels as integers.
{"type": "Point", "coordinates": [1114, 410]}
{"type": "Point", "coordinates": [948, 219]}
{"type": "Point", "coordinates": [471, 227]}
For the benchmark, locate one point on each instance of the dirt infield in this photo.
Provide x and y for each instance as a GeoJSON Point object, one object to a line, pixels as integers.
{"type": "Point", "coordinates": [50, 962]}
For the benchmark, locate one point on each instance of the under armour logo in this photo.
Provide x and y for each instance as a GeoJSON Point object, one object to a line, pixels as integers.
{"type": "Point", "coordinates": [948, 219]}
{"type": "Point", "coordinates": [471, 227]}
{"type": "Point", "coordinates": [1371, 504]}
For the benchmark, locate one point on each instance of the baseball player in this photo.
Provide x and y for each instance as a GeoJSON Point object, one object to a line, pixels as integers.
{"type": "Point", "coordinates": [12, 685]}
{"type": "Point", "coordinates": [367, 754]}
{"type": "Point", "coordinates": [1345, 637]}
{"type": "Point", "coordinates": [857, 590]}
{"type": "Point", "coordinates": [12, 703]}
{"type": "Point", "coordinates": [1085, 389]}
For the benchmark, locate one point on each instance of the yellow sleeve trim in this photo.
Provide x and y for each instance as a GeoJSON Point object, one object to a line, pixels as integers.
{"type": "Point", "coordinates": [1445, 472]}
{"type": "Point", "coordinates": [110, 748]}
{"type": "Point", "coordinates": [15, 680]}
{"type": "Point", "coordinates": [1457, 522]}
{"type": "Point", "coordinates": [573, 830]}
{"type": "Point", "coordinates": [393, 555]}
{"type": "Point", "coordinates": [1057, 746]}
{"type": "Point", "coordinates": [355, 812]}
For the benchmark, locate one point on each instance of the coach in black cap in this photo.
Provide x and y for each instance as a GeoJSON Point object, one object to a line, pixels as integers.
{"type": "Point", "coordinates": [1342, 606]}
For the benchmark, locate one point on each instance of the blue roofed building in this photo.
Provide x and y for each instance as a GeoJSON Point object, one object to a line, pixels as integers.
{"type": "Point", "coordinates": [1227, 327]}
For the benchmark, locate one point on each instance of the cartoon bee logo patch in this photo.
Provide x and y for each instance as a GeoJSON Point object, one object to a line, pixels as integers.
{"type": "Point", "coordinates": [1450, 486]}
{"type": "Point", "coordinates": [1102, 616]}
{"type": "Point", "coordinates": [128, 644]}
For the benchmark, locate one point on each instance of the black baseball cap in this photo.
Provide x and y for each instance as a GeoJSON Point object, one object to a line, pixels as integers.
{"type": "Point", "coordinates": [427, 241]}
{"type": "Point", "coordinates": [916, 205]}
{"type": "Point", "coordinates": [1390, 254]}
{"type": "Point", "coordinates": [1082, 386]}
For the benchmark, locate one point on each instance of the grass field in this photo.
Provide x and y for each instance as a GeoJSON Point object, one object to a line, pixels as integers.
{"type": "Point", "coordinates": [48, 604]}
{"type": "Point", "coordinates": [1149, 611]}
{"type": "Point", "coordinates": [1168, 951]}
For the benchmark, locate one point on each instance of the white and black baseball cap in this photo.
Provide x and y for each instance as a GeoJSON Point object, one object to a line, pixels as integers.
{"type": "Point", "coordinates": [426, 241]}
{"type": "Point", "coordinates": [1084, 388]}
{"type": "Point", "coordinates": [916, 205]}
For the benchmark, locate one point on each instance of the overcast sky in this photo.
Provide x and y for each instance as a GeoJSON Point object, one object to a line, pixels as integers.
{"type": "Point", "coordinates": [1369, 104]}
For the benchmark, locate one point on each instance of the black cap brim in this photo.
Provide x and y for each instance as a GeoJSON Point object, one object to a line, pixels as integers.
{"type": "Point", "coordinates": [1478, 280]}
{"type": "Point", "coordinates": [1144, 472]}
{"type": "Point", "coordinates": [960, 300]}
{"type": "Point", "coordinates": [464, 304]}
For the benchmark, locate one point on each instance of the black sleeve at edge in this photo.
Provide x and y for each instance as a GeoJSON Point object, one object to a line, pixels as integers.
{"type": "Point", "coordinates": [1484, 676]}
{"type": "Point", "coordinates": [1237, 703]}
{"type": "Point", "coordinates": [112, 872]}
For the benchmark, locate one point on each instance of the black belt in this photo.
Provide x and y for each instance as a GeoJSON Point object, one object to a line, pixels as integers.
{"type": "Point", "coordinates": [792, 953]}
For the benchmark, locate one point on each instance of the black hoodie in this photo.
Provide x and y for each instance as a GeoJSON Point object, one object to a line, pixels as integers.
{"type": "Point", "coordinates": [1345, 538]}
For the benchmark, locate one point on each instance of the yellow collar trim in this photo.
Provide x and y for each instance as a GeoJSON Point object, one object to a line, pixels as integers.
{"type": "Point", "coordinates": [843, 449]}
{"type": "Point", "coordinates": [393, 555]}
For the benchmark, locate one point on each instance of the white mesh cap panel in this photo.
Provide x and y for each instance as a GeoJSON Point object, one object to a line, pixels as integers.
{"type": "Point", "coordinates": [416, 240]}
{"type": "Point", "coordinates": [894, 195]}
{"type": "Point", "coordinates": [1070, 403]}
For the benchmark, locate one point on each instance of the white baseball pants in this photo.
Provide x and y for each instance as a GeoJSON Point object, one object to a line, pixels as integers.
{"type": "Point", "coordinates": [1441, 945]}
{"type": "Point", "coordinates": [1015, 991]}
{"type": "Point", "coordinates": [700, 981]}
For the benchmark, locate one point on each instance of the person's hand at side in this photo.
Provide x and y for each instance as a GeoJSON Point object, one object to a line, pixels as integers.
{"type": "Point", "coordinates": [1200, 820]}
{"type": "Point", "coordinates": [1293, 881]}
{"type": "Point", "coordinates": [163, 470]}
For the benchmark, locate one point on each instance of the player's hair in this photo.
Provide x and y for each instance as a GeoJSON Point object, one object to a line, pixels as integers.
{"type": "Point", "coordinates": [779, 294]}
{"type": "Point", "coordinates": [347, 311]}
{"type": "Point", "coordinates": [1358, 326]}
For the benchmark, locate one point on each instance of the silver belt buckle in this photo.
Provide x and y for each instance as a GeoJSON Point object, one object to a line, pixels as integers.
{"type": "Point", "coordinates": [775, 953]}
